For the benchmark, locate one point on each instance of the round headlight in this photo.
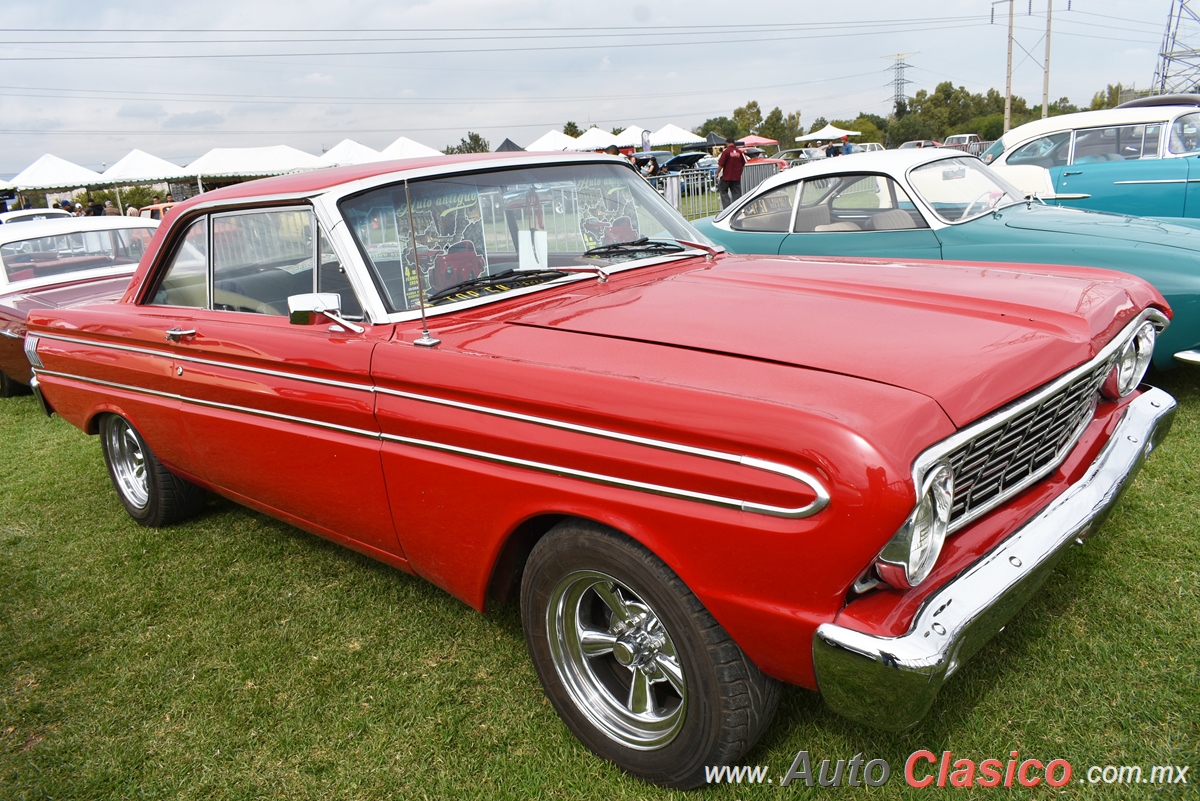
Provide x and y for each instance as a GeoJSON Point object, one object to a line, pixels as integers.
{"type": "Point", "coordinates": [910, 555]}
{"type": "Point", "coordinates": [1132, 363]}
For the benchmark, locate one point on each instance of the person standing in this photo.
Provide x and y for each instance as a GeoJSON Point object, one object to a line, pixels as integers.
{"type": "Point", "coordinates": [110, 210]}
{"type": "Point", "coordinates": [729, 166]}
{"type": "Point", "coordinates": [847, 148]}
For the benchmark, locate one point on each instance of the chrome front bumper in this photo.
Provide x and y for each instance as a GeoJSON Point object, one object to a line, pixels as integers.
{"type": "Point", "coordinates": [1188, 356]}
{"type": "Point", "coordinates": [890, 682]}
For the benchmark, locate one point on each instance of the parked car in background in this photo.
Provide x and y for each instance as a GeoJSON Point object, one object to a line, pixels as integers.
{"type": "Point", "coordinates": [690, 509]}
{"type": "Point", "coordinates": [868, 147]}
{"type": "Point", "coordinates": [968, 143]}
{"type": "Point", "coordinates": [919, 143]}
{"type": "Point", "coordinates": [55, 263]}
{"type": "Point", "coordinates": [942, 204]}
{"type": "Point", "coordinates": [800, 155]}
{"type": "Point", "coordinates": [29, 215]}
{"type": "Point", "coordinates": [155, 211]}
{"type": "Point", "coordinates": [1135, 160]}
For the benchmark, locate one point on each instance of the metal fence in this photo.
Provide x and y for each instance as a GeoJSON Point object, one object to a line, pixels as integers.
{"type": "Point", "coordinates": [694, 192]}
{"type": "Point", "coordinates": [974, 148]}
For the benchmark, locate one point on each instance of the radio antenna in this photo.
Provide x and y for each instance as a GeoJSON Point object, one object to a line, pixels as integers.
{"type": "Point", "coordinates": [425, 341]}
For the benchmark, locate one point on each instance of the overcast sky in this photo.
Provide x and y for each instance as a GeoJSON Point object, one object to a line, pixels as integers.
{"type": "Point", "coordinates": [89, 81]}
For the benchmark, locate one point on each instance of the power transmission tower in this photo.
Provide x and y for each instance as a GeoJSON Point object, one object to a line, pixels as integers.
{"type": "Point", "coordinates": [1179, 60]}
{"type": "Point", "coordinates": [899, 81]}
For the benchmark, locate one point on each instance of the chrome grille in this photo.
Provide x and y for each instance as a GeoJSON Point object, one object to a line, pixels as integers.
{"type": "Point", "coordinates": [1017, 450]}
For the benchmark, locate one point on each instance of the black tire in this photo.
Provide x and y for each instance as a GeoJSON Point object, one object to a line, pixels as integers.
{"type": "Point", "coordinates": [150, 493]}
{"type": "Point", "coordinates": [10, 388]}
{"type": "Point", "coordinates": [705, 702]}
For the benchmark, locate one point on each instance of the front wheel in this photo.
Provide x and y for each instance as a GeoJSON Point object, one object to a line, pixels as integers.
{"type": "Point", "coordinates": [150, 493]}
{"type": "Point", "coordinates": [633, 662]}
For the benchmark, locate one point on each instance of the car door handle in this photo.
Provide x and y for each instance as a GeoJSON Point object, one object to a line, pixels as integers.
{"type": "Point", "coordinates": [1073, 172]}
{"type": "Point", "coordinates": [177, 334]}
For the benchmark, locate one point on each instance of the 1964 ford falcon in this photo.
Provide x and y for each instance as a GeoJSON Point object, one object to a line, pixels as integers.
{"type": "Point", "coordinates": [703, 475]}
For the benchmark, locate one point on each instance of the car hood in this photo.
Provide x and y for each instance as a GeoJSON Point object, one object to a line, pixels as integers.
{"type": "Point", "coordinates": [970, 336]}
{"type": "Point", "coordinates": [1102, 225]}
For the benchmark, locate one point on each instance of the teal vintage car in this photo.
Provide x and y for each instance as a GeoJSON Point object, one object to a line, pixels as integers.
{"type": "Point", "coordinates": [943, 204]}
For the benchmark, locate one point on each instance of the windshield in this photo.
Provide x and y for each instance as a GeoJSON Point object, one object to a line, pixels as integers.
{"type": "Point", "coordinates": [993, 151]}
{"type": "Point", "coordinates": [516, 221]}
{"type": "Point", "coordinates": [961, 189]}
{"type": "Point", "coordinates": [59, 254]}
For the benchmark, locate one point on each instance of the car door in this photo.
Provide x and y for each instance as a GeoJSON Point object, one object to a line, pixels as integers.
{"type": "Point", "coordinates": [1119, 168]}
{"type": "Point", "coordinates": [277, 415]}
{"type": "Point", "coordinates": [858, 214]}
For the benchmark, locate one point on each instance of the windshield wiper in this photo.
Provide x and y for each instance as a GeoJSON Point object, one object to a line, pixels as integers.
{"type": "Point", "coordinates": [634, 247]}
{"type": "Point", "coordinates": [516, 277]}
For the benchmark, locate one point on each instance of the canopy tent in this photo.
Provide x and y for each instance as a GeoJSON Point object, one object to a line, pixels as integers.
{"type": "Point", "coordinates": [139, 167]}
{"type": "Point", "coordinates": [671, 134]}
{"type": "Point", "coordinates": [552, 140]}
{"type": "Point", "coordinates": [594, 139]}
{"type": "Point", "coordinates": [757, 141]}
{"type": "Point", "coordinates": [405, 148]}
{"type": "Point", "coordinates": [51, 172]}
{"type": "Point", "coordinates": [237, 162]}
{"type": "Point", "coordinates": [630, 137]}
{"type": "Point", "coordinates": [828, 132]}
{"type": "Point", "coordinates": [348, 151]}
{"type": "Point", "coordinates": [508, 146]}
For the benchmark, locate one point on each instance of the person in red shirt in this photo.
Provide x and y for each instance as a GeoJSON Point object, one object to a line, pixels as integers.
{"type": "Point", "coordinates": [729, 167]}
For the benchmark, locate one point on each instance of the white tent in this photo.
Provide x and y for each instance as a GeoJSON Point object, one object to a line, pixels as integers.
{"type": "Point", "coordinates": [630, 137]}
{"type": "Point", "coordinates": [828, 132]}
{"type": "Point", "coordinates": [672, 134]}
{"type": "Point", "coordinates": [348, 151]}
{"type": "Point", "coordinates": [139, 167]}
{"type": "Point", "coordinates": [51, 172]}
{"type": "Point", "coordinates": [594, 139]}
{"type": "Point", "coordinates": [252, 161]}
{"type": "Point", "coordinates": [552, 140]}
{"type": "Point", "coordinates": [405, 148]}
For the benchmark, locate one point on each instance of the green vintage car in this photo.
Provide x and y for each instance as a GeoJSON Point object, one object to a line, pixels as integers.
{"type": "Point", "coordinates": [943, 204]}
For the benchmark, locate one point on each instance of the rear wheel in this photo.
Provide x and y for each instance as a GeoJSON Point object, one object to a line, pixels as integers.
{"type": "Point", "coordinates": [150, 493]}
{"type": "Point", "coordinates": [10, 388]}
{"type": "Point", "coordinates": [633, 662]}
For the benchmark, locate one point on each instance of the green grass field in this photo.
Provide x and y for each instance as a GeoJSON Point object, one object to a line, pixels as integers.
{"type": "Point", "coordinates": [236, 657]}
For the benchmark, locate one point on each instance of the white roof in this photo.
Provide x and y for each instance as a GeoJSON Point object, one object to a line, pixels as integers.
{"type": "Point", "coordinates": [552, 140]}
{"type": "Point", "coordinates": [139, 167]}
{"type": "Point", "coordinates": [885, 162]}
{"type": "Point", "coordinates": [630, 137]}
{"type": "Point", "coordinates": [59, 226]}
{"type": "Point", "coordinates": [672, 134]}
{"type": "Point", "coordinates": [828, 132]}
{"type": "Point", "coordinates": [594, 139]}
{"type": "Point", "coordinates": [51, 172]}
{"type": "Point", "coordinates": [348, 151]}
{"type": "Point", "coordinates": [405, 148]}
{"type": "Point", "coordinates": [1093, 119]}
{"type": "Point", "coordinates": [239, 161]}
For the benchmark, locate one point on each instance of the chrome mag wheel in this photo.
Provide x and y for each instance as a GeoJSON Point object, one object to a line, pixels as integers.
{"type": "Point", "coordinates": [616, 660]}
{"type": "Point", "coordinates": [127, 459]}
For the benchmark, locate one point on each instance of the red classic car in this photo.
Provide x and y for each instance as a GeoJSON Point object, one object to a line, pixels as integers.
{"type": "Point", "coordinates": [58, 262]}
{"type": "Point", "coordinates": [703, 475]}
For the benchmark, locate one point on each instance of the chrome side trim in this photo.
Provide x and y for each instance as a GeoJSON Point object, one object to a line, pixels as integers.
{"type": "Point", "coordinates": [1153, 181]}
{"type": "Point", "coordinates": [891, 682]}
{"type": "Point", "coordinates": [599, 478]}
{"type": "Point", "coordinates": [9, 334]}
{"type": "Point", "coordinates": [812, 482]}
{"type": "Point", "coordinates": [999, 417]}
{"type": "Point", "coordinates": [184, 357]}
{"type": "Point", "coordinates": [41, 400]}
{"type": "Point", "coordinates": [1188, 356]}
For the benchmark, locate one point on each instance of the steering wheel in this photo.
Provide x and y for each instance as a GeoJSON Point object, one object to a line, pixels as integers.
{"type": "Point", "coordinates": [985, 198]}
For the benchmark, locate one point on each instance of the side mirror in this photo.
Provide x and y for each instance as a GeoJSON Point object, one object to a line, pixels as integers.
{"type": "Point", "coordinates": [308, 309]}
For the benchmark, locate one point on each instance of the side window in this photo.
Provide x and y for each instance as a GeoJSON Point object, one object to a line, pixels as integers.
{"type": "Point", "coordinates": [185, 282]}
{"type": "Point", "coordinates": [1185, 134]}
{"type": "Point", "coordinates": [1116, 143]}
{"type": "Point", "coordinates": [770, 212]}
{"type": "Point", "coordinates": [260, 258]}
{"type": "Point", "coordinates": [1048, 151]}
{"type": "Point", "coordinates": [331, 276]}
{"type": "Point", "coordinates": [848, 203]}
